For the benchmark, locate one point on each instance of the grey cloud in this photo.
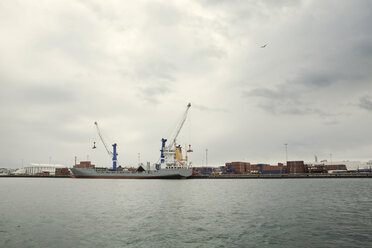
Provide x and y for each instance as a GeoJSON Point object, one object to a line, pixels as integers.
{"type": "Point", "coordinates": [333, 65]}
{"type": "Point", "coordinates": [273, 101]}
{"type": "Point", "coordinates": [363, 47]}
{"type": "Point", "coordinates": [210, 52]}
{"type": "Point", "coordinates": [76, 38]}
{"type": "Point", "coordinates": [293, 95]}
{"type": "Point", "coordinates": [155, 69]}
{"type": "Point", "coordinates": [331, 123]}
{"type": "Point", "coordinates": [316, 79]}
{"type": "Point", "coordinates": [99, 10]}
{"type": "Point", "coordinates": [279, 107]}
{"type": "Point", "coordinates": [155, 78]}
{"type": "Point", "coordinates": [366, 103]}
{"type": "Point", "coordinates": [267, 3]}
{"type": "Point", "coordinates": [319, 79]}
{"type": "Point", "coordinates": [290, 99]}
{"type": "Point", "coordinates": [163, 14]}
{"type": "Point", "coordinates": [279, 92]}
{"type": "Point", "coordinates": [282, 105]}
{"type": "Point", "coordinates": [46, 95]}
{"type": "Point", "coordinates": [209, 109]}
{"type": "Point", "coordinates": [152, 91]}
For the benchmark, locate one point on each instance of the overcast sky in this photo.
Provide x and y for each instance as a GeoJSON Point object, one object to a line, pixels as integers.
{"type": "Point", "coordinates": [133, 66]}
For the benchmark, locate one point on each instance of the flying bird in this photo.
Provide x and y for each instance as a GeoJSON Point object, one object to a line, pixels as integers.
{"type": "Point", "coordinates": [264, 46]}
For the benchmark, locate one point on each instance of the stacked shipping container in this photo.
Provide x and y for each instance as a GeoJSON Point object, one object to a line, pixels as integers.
{"type": "Point", "coordinates": [247, 168]}
{"type": "Point", "coordinates": [202, 170]}
{"type": "Point", "coordinates": [62, 172]}
{"type": "Point", "coordinates": [336, 167]}
{"type": "Point", "coordinates": [295, 167]}
{"type": "Point", "coordinates": [292, 167]}
{"type": "Point", "coordinates": [237, 167]}
{"type": "Point", "coordinates": [271, 169]}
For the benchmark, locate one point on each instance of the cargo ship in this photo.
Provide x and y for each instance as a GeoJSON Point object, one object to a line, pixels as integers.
{"type": "Point", "coordinates": [172, 163]}
{"type": "Point", "coordinates": [167, 173]}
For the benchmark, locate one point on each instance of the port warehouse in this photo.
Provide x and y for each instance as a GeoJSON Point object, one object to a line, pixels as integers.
{"type": "Point", "coordinates": [292, 167]}
{"type": "Point", "coordinates": [38, 170]}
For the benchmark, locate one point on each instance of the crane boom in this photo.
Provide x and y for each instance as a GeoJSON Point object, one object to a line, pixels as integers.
{"type": "Point", "coordinates": [112, 154]}
{"type": "Point", "coordinates": [103, 141]}
{"type": "Point", "coordinates": [180, 125]}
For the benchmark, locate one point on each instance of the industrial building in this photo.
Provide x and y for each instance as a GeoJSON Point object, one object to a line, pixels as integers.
{"type": "Point", "coordinates": [39, 169]}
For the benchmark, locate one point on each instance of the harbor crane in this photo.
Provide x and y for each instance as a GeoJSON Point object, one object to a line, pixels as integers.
{"type": "Point", "coordinates": [169, 149]}
{"type": "Point", "coordinates": [112, 154]}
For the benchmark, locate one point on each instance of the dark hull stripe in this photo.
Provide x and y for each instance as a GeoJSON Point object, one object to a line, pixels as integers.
{"type": "Point", "coordinates": [132, 177]}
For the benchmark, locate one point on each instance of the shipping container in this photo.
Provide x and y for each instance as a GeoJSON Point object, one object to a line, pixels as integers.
{"type": "Point", "coordinates": [336, 167]}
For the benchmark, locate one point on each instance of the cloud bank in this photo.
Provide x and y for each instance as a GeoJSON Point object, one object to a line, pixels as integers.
{"type": "Point", "coordinates": [133, 67]}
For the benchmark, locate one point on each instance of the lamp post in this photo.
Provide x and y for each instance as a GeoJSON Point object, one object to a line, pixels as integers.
{"type": "Point", "coordinates": [286, 153]}
{"type": "Point", "coordinates": [206, 157]}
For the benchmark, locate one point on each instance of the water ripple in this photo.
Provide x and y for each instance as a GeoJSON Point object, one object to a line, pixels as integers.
{"type": "Point", "coordinates": [185, 213]}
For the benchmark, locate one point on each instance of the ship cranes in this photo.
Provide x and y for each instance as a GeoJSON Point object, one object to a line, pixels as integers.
{"type": "Point", "coordinates": [171, 155]}
{"type": "Point", "coordinates": [113, 154]}
{"type": "Point", "coordinates": [172, 166]}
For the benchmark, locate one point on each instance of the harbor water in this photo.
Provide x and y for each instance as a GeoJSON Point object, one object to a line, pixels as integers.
{"type": "Point", "coordinates": [64, 212]}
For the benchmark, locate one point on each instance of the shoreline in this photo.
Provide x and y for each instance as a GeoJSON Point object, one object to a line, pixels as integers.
{"type": "Point", "coordinates": [238, 176]}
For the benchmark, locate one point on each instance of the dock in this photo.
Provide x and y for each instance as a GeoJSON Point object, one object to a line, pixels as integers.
{"type": "Point", "coordinates": [282, 176]}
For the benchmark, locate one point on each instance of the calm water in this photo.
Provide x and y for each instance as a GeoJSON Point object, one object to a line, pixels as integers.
{"type": "Point", "coordinates": [41, 212]}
